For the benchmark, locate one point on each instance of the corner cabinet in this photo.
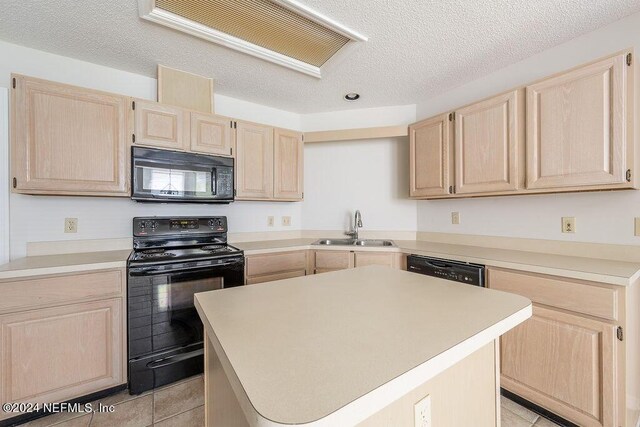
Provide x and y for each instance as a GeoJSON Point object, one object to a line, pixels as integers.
{"type": "Point", "coordinates": [67, 140]}
{"type": "Point", "coordinates": [489, 145]}
{"type": "Point", "coordinates": [430, 157]}
{"type": "Point", "coordinates": [269, 163]}
{"type": "Point", "coordinates": [579, 127]}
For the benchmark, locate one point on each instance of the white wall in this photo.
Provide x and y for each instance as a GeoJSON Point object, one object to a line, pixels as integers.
{"type": "Point", "coordinates": [41, 218]}
{"type": "Point", "coordinates": [370, 175]}
{"type": "Point", "coordinates": [600, 217]}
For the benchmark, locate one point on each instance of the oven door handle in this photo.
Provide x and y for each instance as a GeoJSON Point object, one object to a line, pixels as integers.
{"type": "Point", "coordinates": [161, 363]}
{"type": "Point", "coordinates": [144, 271]}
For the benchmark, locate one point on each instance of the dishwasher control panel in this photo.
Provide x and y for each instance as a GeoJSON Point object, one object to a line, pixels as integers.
{"type": "Point", "coordinates": [471, 274]}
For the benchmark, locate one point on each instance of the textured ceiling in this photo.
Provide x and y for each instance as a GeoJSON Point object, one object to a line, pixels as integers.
{"type": "Point", "coordinates": [416, 48]}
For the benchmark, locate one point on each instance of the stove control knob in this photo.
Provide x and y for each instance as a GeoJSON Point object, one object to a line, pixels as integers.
{"type": "Point", "coordinates": [143, 225]}
{"type": "Point", "coordinates": [212, 223]}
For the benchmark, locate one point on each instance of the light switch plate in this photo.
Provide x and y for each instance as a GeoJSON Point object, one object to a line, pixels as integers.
{"type": "Point", "coordinates": [286, 221]}
{"type": "Point", "coordinates": [455, 217]}
{"type": "Point", "coordinates": [270, 221]}
{"type": "Point", "coordinates": [568, 224]}
{"type": "Point", "coordinates": [422, 412]}
{"type": "Point", "coordinates": [637, 226]}
{"type": "Point", "coordinates": [71, 225]}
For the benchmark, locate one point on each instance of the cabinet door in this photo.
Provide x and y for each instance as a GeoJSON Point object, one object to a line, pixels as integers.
{"type": "Point", "coordinates": [430, 154]}
{"type": "Point", "coordinates": [374, 258]}
{"type": "Point", "coordinates": [68, 140]}
{"type": "Point", "coordinates": [488, 137]}
{"type": "Point", "coordinates": [211, 134]}
{"type": "Point", "coordinates": [56, 354]}
{"type": "Point", "coordinates": [577, 127]}
{"type": "Point", "coordinates": [254, 161]}
{"type": "Point", "coordinates": [564, 363]}
{"type": "Point", "coordinates": [288, 165]}
{"type": "Point", "coordinates": [162, 126]}
{"type": "Point", "coordinates": [332, 261]}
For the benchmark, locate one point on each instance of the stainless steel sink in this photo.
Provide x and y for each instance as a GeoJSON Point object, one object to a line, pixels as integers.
{"type": "Point", "coordinates": [372, 243]}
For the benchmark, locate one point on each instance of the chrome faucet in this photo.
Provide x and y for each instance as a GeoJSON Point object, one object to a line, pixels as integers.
{"type": "Point", "coordinates": [357, 223]}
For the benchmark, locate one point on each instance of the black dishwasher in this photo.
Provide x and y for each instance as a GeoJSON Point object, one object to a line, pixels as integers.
{"type": "Point", "coordinates": [464, 272]}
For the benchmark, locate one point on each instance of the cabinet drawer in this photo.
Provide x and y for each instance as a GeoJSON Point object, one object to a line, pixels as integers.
{"type": "Point", "coordinates": [333, 260]}
{"type": "Point", "coordinates": [258, 265]}
{"type": "Point", "coordinates": [566, 294]}
{"type": "Point", "coordinates": [277, 276]}
{"type": "Point", "coordinates": [374, 258]}
{"type": "Point", "coordinates": [18, 295]}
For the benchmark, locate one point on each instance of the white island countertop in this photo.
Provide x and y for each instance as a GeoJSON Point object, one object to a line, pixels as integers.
{"type": "Point", "coordinates": [332, 349]}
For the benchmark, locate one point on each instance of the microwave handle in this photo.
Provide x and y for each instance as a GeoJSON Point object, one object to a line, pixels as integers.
{"type": "Point", "coordinates": [214, 181]}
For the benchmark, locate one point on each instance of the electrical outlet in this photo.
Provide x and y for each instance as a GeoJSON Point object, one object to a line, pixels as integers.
{"type": "Point", "coordinates": [568, 224]}
{"type": "Point", "coordinates": [455, 217]}
{"type": "Point", "coordinates": [286, 221]}
{"type": "Point", "coordinates": [71, 225]}
{"type": "Point", "coordinates": [270, 221]}
{"type": "Point", "coordinates": [422, 412]}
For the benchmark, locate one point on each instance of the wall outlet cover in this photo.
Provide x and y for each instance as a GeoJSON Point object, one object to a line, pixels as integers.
{"type": "Point", "coordinates": [455, 217]}
{"type": "Point", "coordinates": [286, 221]}
{"type": "Point", "coordinates": [422, 412]}
{"type": "Point", "coordinates": [271, 221]}
{"type": "Point", "coordinates": [636, 231]}
{"type": "Point", "coordinates": [568, 224]}
{"type": "Point", "coordinates": [71, 225]}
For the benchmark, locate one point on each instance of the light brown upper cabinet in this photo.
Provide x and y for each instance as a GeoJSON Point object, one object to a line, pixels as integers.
{"type": "Point", "coordinates": [254, 161]}
{"type": "Point", "coordinates": [160, 125]}
{"type": "Point", "coordinates": [288, 164]}
{"type": "Point", "coordinates": [579, 127]}
{"type": "Point", "coordinates": [211, 134]}
{"type": "Point", "coordinates": [489, 140]}
{"type": "Point", "coordinates": [269, 163]}
{"type": "Point", "coordinates": [68, 140]}
{"type": "Point", "coordinates": [166, 126]}
{"type": "Point", "coordinates": [430, 155]}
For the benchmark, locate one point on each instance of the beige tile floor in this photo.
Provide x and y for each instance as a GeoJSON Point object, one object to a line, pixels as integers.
{"type": "Point", "coordinates": [182, 405]}
{"type": "Point", "coordinates": [514, 415]}
{"type": "Point", "coordinates": [176, 405]}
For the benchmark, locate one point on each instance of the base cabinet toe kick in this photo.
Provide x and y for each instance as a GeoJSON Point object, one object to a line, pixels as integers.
{"type": "Point", "coordinates": [578, 356]}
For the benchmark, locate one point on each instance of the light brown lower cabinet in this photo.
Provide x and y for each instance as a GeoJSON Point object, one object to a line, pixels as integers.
{"type": "Point", "coordinates": [275, 266]}
{"type": "Point", "coordinates": [285, 265]}
{"type": "Point", "coordinates": [577, 355]}
{"type": "Point", "coordinates": [57, 349]}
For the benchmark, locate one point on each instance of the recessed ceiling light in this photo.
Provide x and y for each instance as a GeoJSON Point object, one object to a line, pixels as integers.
{"type": "Point", "coordinates": [352, 96]}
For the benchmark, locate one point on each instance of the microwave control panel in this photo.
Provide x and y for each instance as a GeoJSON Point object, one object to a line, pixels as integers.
{"type": "Point", "coordinates": [225, 181]}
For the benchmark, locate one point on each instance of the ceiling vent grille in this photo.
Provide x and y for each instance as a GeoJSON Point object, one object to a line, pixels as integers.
{"type": "Point", "coordinates": [281, 31]}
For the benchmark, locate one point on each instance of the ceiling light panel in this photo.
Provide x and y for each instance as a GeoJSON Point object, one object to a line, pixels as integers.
{"type": "Point", "coordinates": [282, 31]}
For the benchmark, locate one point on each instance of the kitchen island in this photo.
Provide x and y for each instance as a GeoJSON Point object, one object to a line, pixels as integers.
{"type": "Point", "coordinates": [355, 347]}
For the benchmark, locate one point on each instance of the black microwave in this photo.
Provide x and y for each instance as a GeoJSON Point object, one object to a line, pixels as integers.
{"type": "Point", "coordinates": [173, 176]}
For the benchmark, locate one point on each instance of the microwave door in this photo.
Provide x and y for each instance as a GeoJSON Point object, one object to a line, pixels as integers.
{"type": "Point", "coordinates": [174, 181]}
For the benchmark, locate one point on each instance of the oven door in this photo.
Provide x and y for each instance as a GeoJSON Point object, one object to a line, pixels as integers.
{"type": "Point", "coordinates": [165, 332]}
{"type": "Point", "coordinates": [161, 175]}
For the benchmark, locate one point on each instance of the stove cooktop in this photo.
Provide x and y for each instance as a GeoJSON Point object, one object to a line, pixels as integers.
{"type": "Point", "coordinates": [181, 254]}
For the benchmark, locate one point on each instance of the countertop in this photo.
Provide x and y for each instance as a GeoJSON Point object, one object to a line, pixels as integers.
{"type": "Point", "coordinates": [332, 349]}
{"type": "Point", "coordinates": [66, 263]}
{"type": "Point", "coordinates": [613, 272]}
